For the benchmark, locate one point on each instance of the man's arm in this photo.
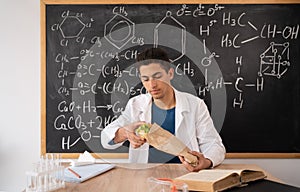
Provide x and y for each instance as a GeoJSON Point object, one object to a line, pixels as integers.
{"type": "Point", "coordinates": [209, 140]}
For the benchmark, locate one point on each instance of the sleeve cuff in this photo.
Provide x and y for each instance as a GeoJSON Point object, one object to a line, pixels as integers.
{"type": "Point", "coordinates": [111, 142]}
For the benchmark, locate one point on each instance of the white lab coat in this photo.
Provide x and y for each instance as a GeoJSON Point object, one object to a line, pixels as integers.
{"type": "Point", "coordinates": [193, 126]}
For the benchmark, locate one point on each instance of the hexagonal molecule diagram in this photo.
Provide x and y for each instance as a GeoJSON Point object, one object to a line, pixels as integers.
{"type": "Point", "coordinates": [119, 30]}
{"type": "Point", "coordinates": [274, 61]}
{"type": "Point", "coordinates": [171, 33]}
{"type": "Point", "coordinates": [71, 27]}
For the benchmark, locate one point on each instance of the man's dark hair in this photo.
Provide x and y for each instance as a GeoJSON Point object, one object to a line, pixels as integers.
{"type": "Point", "coordinates": [154, 55]}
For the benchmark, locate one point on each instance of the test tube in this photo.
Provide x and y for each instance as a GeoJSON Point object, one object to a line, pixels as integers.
{"type": "Point", "coordinates": [47, 174]}
{"type": "Point", "coordinates": [32, 180]}
{"type": "Point", "coordinates": [60, 170]}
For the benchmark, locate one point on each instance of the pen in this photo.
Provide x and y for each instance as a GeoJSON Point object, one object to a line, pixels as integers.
{"type": "Point", "coordinates": [72, 171]}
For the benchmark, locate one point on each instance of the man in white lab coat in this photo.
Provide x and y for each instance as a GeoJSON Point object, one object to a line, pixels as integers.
{"type": "Point", "coordinates": [184, 115]}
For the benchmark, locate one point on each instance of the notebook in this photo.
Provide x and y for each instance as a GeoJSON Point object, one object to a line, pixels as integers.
{"type": "Point", "coordinates": [85, 172]}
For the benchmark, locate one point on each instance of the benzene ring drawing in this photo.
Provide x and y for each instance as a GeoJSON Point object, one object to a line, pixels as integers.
{"type": "Point", "coordinates": [126, 31]}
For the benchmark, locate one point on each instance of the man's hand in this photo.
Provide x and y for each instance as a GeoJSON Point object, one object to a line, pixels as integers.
{"type": "Point", "coordinates": [203, 163]}
{"type": "Point", "coordinates": [128, 133]}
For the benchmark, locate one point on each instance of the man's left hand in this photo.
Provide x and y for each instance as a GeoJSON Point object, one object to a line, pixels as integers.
{"type": "Point", "coordinates": [203, 163]}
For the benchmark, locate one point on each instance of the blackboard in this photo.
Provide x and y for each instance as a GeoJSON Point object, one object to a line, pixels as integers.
{"type": "Point", "coordinates": [242, 59]}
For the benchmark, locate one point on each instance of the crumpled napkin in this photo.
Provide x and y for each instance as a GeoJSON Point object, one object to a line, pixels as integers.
{"type": "Point", "coordinates": [84, 159]}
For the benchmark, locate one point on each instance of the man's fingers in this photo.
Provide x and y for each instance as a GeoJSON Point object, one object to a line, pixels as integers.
{"type": "Point", "coordinates": [181, 159]}
{"type": "Point", "coordinates": [196, 153]}
{"type": "Point", "coordinates": [188, 166]}
{"type": "Point", "coordinates": [135, 140]}
{"type": "Point", "coordinates": [136, 145]}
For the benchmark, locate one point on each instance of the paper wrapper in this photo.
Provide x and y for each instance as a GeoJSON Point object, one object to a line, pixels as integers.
{"type": "Point", "coordinates": [168, 143]}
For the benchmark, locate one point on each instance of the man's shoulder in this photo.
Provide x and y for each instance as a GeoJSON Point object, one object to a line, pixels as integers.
{"type": "Point", "coordinates": [189, 96]}
{"type": "Point", "coordinates": [140, 98]}
{"type": "Point", "coordinates": [188, 100]}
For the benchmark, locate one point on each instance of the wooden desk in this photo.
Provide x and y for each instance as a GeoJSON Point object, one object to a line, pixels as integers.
{"type": "Point", "coordinates": [133, 177]}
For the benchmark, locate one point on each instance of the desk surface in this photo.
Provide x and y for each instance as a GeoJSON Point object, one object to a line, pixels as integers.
{"type": "Point", "coordinates": [133, 177]}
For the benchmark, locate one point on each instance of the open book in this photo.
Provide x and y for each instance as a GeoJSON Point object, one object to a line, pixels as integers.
{"type": "Point", "coordinates": [85, 172]}
{"type": "Point", "coordinates": [219, 179]}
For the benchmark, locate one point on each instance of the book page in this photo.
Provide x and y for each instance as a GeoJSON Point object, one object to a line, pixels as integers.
{"type": "Point", "coordinates": [248, 175]}
{"type": "Point", "coordinates": [208, 175]}
{"type": "Point", "coordinates": [211, 180]}
{"type": "Point", "coordinates": [252, 175]}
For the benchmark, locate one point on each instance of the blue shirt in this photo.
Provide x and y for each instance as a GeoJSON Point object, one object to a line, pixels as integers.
{"type": "Point", "coordinates": [166, 119]}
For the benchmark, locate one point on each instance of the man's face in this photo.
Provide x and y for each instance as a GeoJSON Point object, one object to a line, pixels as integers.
{"type": "Point", "coordinates": [156, 80]}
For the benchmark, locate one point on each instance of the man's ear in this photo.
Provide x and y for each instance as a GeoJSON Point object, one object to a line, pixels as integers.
{"type": "Point", "coordinates": [171, 73]}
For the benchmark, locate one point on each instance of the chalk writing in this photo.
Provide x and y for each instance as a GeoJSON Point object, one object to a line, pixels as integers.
{"type": "Point", "coordinates": [91, 51]}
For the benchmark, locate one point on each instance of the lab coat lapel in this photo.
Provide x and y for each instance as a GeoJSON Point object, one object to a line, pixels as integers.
{"type": "Point", "coordinates": [180, 111]}
{"type": "Point", "coordinates": [145, 110]}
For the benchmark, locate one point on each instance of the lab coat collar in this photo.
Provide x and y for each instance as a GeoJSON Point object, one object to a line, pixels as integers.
{"type": "Point", "coordinates": [181, 108]}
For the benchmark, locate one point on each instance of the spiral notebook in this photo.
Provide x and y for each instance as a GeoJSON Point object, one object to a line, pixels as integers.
{"type": "Point", "coordinates": [83, 173]}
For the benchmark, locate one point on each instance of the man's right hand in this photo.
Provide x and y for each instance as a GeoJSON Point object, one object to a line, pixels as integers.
{"type": "Point", "coordinates": [128, 133]}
